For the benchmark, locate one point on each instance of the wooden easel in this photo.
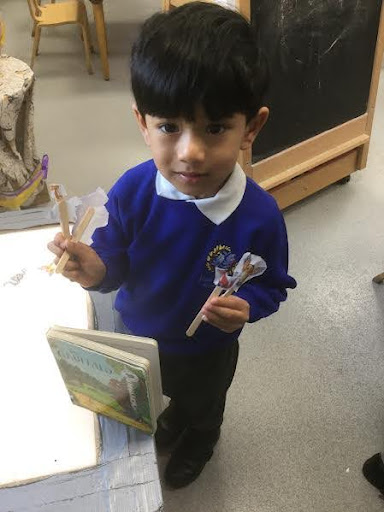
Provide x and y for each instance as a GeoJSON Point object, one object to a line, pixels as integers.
{"type": "Point", "coordinates": [327, 158]}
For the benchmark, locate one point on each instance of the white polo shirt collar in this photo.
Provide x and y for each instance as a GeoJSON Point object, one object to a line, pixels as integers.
{"type": "Point", "coordinates": [217, 208]}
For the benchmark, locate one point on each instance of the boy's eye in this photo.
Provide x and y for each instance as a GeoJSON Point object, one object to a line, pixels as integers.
{"type": "Point", "coordinates": [169, 128]}
{"type": "Point", "coordinates": [215, 129]}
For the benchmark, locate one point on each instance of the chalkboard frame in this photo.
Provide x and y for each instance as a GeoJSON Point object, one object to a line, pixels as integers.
{"type": "Point", "coordinates": [315, 163]}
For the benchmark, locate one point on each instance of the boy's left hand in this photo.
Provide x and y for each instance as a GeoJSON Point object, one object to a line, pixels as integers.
{"type": "Point", "coordinates": [226, 313]}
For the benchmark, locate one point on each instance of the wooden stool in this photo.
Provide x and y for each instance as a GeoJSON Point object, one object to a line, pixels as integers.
{"type": "Point", "coordinates": [62, 13]}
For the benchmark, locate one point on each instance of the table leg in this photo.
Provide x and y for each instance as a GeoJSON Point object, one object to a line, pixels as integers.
{"type": "Point", "coordinates": [98, 13]}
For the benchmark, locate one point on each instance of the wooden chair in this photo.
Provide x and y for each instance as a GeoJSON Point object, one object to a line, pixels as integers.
{"type": "Point", "coordinates": [62, 13]}
{"type": "Point", "coordinates": [34, 24]}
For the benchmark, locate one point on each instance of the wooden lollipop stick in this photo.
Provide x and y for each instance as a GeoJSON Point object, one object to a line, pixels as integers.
{"type": "Point", "coordinates": [83, 224]}
{"type": "Point", "coordinates": [199, 317]}
{"type": "Point", "coordinates": [64, 219]}
{"type": "Point", "coordinates": [63, 209]}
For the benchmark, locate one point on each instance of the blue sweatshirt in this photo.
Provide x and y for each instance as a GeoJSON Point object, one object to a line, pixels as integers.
{"type": "Point", "coordinates": [162, 252]}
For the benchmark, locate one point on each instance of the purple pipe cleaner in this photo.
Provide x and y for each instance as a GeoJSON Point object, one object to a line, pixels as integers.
{"type": "Point", "coordinates": [44, 166]}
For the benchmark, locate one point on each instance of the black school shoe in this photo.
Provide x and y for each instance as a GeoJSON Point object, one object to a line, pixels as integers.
{"type": "Point", "coordinates": [373, 470]}
{"type": "Point", "coordinates": [169, 429]}
{"type": "Point", "coordinates": [190, 456]}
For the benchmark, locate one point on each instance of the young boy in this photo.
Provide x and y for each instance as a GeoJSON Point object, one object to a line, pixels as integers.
{"type": "Point", "coordinates": [198, 79]}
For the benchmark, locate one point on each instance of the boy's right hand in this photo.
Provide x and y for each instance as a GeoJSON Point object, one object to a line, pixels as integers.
{"type": "Point", "coordinates": [84, 267]}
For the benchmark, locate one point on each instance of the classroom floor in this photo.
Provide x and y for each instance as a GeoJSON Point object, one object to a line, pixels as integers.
{"type": "Point", "coordinates": [307, 404]}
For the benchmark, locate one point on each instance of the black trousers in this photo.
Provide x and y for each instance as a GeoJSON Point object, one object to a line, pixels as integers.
{"type": "Point", "coordinates": [198, 385]}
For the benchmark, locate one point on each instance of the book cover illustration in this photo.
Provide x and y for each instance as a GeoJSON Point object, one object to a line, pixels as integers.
{"type": "Point", "coordinates": [105, 385]}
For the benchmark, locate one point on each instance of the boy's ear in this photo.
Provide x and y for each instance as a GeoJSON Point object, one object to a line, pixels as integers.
{"type": "Point", "coordinates": [142, 123]}
{"type": "Point", "coordinates": [254, 127]}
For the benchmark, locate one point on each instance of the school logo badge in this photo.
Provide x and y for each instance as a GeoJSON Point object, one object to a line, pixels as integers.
{"type": "Point", "coordinates": [223, 257]}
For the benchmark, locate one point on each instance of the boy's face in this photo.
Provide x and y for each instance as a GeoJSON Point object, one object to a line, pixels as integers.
{"type": "Point", "coordinates": [198, 156]}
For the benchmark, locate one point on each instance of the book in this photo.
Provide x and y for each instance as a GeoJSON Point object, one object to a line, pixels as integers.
{"type": "Point", "coordinates": [116, 375]}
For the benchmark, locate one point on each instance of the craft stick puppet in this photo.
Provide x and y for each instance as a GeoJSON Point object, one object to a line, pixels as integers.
{"type": "Point", "coordinates": [88, 212]}
{"type": "Point", "coordinates": [227, 283]}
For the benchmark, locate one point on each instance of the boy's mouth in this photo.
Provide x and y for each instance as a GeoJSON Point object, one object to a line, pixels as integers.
{"type": "Point", "coordinates": [191, 177]}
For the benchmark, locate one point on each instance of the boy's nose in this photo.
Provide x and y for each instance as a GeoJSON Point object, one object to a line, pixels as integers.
{"type": "Point", "coordinates": [190, 148]}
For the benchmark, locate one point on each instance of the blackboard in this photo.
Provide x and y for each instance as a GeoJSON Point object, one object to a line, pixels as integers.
{"type": "Point", "coordinates": [321, 55]}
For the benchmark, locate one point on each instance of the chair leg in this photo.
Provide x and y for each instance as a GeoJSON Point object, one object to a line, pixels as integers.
{"type": "Point", "coordinates": [87, 50]}
{"type": "Point", "coordinates": [36, 43]}
{"type": "Point", "coordinates": [98, 13]}
{"type": "Point", "coordinates": [89, 35]}
{"type": "Point", "coordinates": [34, 23]}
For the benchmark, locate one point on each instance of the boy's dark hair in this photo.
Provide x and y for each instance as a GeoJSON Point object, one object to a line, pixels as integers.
{"type": "Point", "coordinates": [198, 54]}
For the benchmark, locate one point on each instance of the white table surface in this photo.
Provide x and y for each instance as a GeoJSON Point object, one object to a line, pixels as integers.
{"type": "Point", "coordinates": [41, 432]}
